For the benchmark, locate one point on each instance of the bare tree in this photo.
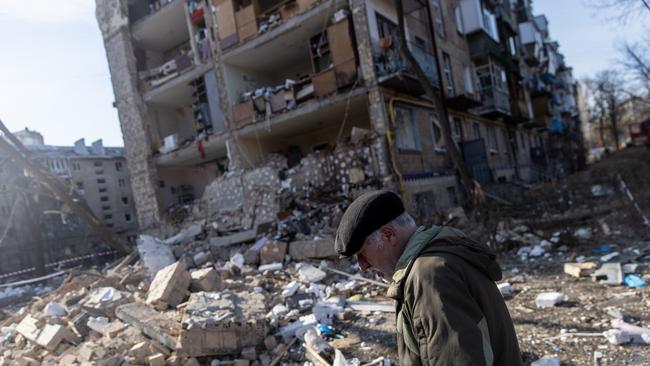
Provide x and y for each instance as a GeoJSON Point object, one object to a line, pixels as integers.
{"type": "Point", "coordinates": [467, 183]}
{"type": "Point", "coordinates": [624, 10]}
{"type": "Point", "coordinates": [636, 63]}
{"type": "Point", "coordinates": [607, 94]}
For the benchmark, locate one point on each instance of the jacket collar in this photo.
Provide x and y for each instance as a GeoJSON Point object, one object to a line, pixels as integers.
{"type": "Point", "coordinates": [416, 244]}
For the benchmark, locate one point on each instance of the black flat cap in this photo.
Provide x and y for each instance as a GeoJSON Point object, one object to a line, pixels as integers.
{"type": "Point", "coordinates": [367, 213]}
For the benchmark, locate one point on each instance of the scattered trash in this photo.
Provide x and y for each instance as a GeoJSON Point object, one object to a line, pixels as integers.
{"type": "Point", "coordinates": [547, 361]}
{"type": "Point", "coordinates": [549, 299]}
{"type": "Point", "coordinates": [634, 281]}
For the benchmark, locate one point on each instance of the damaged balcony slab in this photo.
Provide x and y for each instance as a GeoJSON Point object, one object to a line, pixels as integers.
{"type": "Point", "coordinates": [282, 45]}
{"type": "Point", "coordinates": [312, 114]}
{"type": "Point", "coordinates": [177, 92]}
{"type": "Point", "coordinates": [164, 29]}
{"type": "Point", "coordinates": [215, 147]}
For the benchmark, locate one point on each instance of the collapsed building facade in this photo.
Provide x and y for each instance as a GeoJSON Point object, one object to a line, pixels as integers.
{"type": "Point", "coordinates": [241, 106]}
{"type": "Point", "coordinates": [36, 230]}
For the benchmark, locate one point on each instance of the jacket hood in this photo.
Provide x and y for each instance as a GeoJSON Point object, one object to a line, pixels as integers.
{"type": "Point", "coordinates": [443, 239]}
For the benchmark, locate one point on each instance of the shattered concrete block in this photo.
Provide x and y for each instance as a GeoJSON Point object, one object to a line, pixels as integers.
{"type": "Point", "coordinates": [156, 360]}
{"type": "Point", "coordinates": [270, 267]}
{"type": "Point", "coordinates": [241, 362]}
{"type": "Point", "coordinates": [549, 299]}
{"type": "Point", "coordinates": [184, 236]}
{"type": "Point", "coordinates": [298, 327]}
{"type": "Point", "coordinates": [273, 252]}
{"type": "Point", "coordinates": [241, 237]}
{"type": "Point", "coordinates": [155, 254]}
{"type": "Point", "coordinates": [54, 309]}
{"type": "Point", "coordinates": [169, 287]}
{"type": "Point", "coordinates": [617, 337]}
{"type": "Point", "coordinates": [290, 289]}
{"type": "Point", "coordinates": [140, 351]}
{"type": "Point", "coordinates": [312, 249]}
{"type": "Point", "coordinates": [201, 258]}
{"type": "Point", "coordinates": [158, 326]}
{"type": "Point", "coordinates": [206, 279]}
{"type": "Point", "coordinates": [309, 273]}
{"type": "Point", "coordinates": [51, 335]}
{"type": "Point", "coordinates": [609, 274]}
{"type": "Point", "coordinates": [104, 300]}
{"type": "Point", "coordinates": [222, 323]}
{"type": "Point", "coordinates": [579, 269]}
{"type": "Point", "coordinates": [29, 328]}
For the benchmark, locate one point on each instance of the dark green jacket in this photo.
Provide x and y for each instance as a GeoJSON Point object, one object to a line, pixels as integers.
{"type": "Point", "coordinates": [449, 310]}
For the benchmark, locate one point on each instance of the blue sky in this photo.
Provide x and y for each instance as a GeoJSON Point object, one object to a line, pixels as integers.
{"type": "Point", "coordinates": [54, 76]}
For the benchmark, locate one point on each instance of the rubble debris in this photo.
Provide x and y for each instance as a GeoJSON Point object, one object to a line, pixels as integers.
{"type": "Point", "coordinates": [547, 361]}
{"type": "Point", "coordinates": [579, 269]}
{"type": "Point", "coordinates": [609, 274]}
{"type": "Point", "coordinates": [609, 257]}
{"type": "Point", "coordinates": [185, 235]}
{"type": "Point", "coordinates": [273, 252]}
{"type": "Point", "coordinates": [222, 323]}
{"type": "Point", "coordinates": [505, 288]}
{"type": "Point", "coordinates": [240, 237]}
{"type": "Point", "coordinates": [169, 287]}
{"type": "Point", "coordinates": [549, 299]}
{"type": "Point", "coordinates": [155, 254]}
{"type": "Point", "coordinates": [54, 309]}
{"type": "Point", "coordinates": [312, 249]}
{"type": "Point", "coordinates": [206, 279]}
{"type": "Point", "coordinates": [270, 267]}
{"type": "Point", "coordinates": [309, 273]}
{"type": "Point", "coordinates": [634, 281]}
{"type": "Point", "coordinates": [104, 300]}
{"type": "Point", "coordinates": [156, 325]}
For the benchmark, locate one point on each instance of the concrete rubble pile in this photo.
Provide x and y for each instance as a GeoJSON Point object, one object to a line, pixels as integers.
{"type": "Point", "coordinates": [182, 301]}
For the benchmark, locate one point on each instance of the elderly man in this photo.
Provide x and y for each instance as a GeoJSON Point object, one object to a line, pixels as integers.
{"type": "Point", "coordinates": [449, 311]}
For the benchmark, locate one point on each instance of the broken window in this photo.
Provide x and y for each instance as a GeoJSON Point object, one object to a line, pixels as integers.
{"type": "Point", "coordinates": [106, 208]}
{"type": "Point", "coordinates": [101, 181]}
{"type": "Point", "coordinates": [436, 133]}
{"type": "Point", "coordinates": [118, 166]}
{"type": "Point", "coordinates": [80, 185]}
{"type": "Point", "coordinates": [125, 200]}
{"type": "Point", "coordinates": [99, 172]}
{"type": "Point", "coordinates": [103, 190]}
{"type": "Point", "coordinates": [98, 164]}
{"type": "Point", "coordinates": [104, 198]}
{"type": "Point", "coordinates": [127, 217]}
{"type": "Point", "coordinates": [492, 139]}
{"type": "Point", "coordinates": [76, 166]}
{"type": "Point", "coordinates": [449, 78]}
{"type": "Point", "coordinates": [108, 217]}
{"type": "Point", "coordinates": [457, 128]}
{"type": "Point", "coordinates": [406, 134]}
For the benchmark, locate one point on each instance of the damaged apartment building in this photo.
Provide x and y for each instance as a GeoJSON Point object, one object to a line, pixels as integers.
{"type": "Point", "coordinates": [37, 232]}
{"type": "Point", "coordinates": [240, 106]}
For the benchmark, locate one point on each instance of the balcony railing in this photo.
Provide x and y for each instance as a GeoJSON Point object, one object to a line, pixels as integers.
{"type": "Point", "coordinates": [494, 100]}
{"type": "Point", "coordinates": [389, 60]}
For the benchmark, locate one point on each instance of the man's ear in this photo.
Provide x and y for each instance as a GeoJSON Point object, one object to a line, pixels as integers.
{"type": "Point", "coordinates": [388, 233]}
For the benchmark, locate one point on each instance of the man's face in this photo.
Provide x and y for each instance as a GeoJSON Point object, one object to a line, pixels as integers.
{"type": "Point", "coordinates": [383, 254]}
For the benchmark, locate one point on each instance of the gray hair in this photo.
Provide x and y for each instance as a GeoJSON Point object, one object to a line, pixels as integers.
{"type": "Point", "coordinates": [402, 221]}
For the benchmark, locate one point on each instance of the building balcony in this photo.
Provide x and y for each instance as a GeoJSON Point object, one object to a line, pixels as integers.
{"type": "Point", "coordinates": [214, 147]}
{"type": "Point", "coordinates": [164, 28]}
{"type": "Point", "coordinates": [494, 102]}
{"type": "Point", "coordinates": [463, 102]}
{"type": "Point", "coordinates": [394, 71]}
{"type": "Point", "coordinates": [482, 47]}
{"type": "Point", "coordinates": [175, 91]}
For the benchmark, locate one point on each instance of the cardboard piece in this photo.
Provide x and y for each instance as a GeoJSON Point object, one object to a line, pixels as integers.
{"type": "Point", "coordinates": [324, 82]}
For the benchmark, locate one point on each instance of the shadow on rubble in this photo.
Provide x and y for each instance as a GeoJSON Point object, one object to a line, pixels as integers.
{"type": "Point", "coordinates": [552, 325]}
{"type": "Point", "coordinates": [367, 334]}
